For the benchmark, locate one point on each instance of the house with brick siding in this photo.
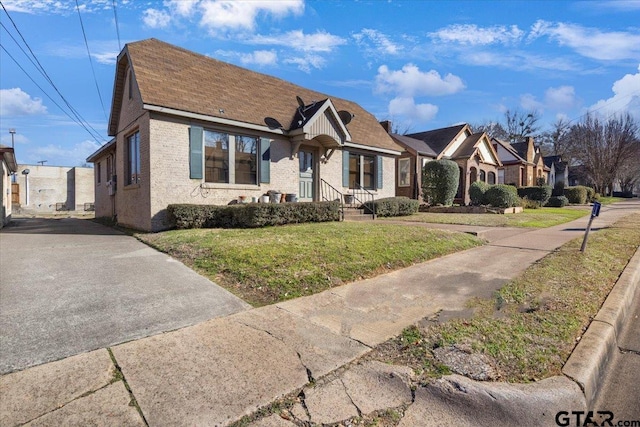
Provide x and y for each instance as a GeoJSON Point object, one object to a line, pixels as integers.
{"type": "Point", "coordinates": [188, 128]}
{"type": "Point", "coordinates": [473, 152]}
{"type": "Point", "coordinates": [523, 163]}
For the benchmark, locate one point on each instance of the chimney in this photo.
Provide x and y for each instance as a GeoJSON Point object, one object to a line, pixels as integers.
{"type": "Point", "coordinates": [386, 125]}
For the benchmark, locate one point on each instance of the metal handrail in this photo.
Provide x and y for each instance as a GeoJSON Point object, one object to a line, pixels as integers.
{"type": "Point", "coordinates": [362, 196]}
{"type": "Point", "coordinates": [330, 194]}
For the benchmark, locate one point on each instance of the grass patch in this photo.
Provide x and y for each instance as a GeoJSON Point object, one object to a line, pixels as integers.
{"type": "Point", "coordinates": [533, 323]}
{"type": "Point", "coordinates": [607, 200]}
{"type": "Point", "coordinates": [272, 264]}
{"type": "Point", "coordinates": [537, 218]}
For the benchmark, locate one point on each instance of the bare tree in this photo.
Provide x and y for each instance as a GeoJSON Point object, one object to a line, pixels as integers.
{"type": "Point", "coordinates": [629, 172]}
{"type": "Point", "coordinates": [492, 129]}
{"type": "Point", "coordinates": [555, 142]}
{"type": "Point", "coordinates": [604, 147]}
{"type": "Point", "coordinates": [521, 124]}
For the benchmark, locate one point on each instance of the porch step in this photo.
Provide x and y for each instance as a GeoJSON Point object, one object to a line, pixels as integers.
{"type": "Point", "coordinates": [353, 214]}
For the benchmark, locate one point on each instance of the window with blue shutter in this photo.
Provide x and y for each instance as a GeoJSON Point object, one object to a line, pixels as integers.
{"type": "Point", "coordinates": [345, 168]}
{"type": "Point", "coordinates": [265, 160]}
{"type": "Point", "coordinates": [195, 152]}
{"type": "Point", "coordinates": [379, 170]}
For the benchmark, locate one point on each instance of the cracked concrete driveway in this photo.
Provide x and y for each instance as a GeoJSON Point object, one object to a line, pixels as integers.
{"type": "Point", "coordinates": [69, 286]}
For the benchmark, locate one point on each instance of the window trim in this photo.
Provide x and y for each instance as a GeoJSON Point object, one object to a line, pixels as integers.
{"type": "Point", "coordinates": [138, 163]}
{"type": "Point", "coordinates": [231, 159]}
{"type": "Point", "coordinates": [361, 171]}
{"type": "Point", "coordinates": [407, 160]}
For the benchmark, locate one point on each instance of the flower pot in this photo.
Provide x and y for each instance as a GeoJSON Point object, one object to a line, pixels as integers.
{"type": "Point", "coordinates": [264, 199]}
{"type": "Point", "coordinates": [291, 197]}
{"type": "Point", "coordinates": [349, 199]}
{"type": "Point", "coordinates": [275, 197]}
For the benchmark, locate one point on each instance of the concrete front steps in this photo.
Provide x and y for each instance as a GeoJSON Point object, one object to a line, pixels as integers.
{"type": "Point", "coordinates": [355, 214]}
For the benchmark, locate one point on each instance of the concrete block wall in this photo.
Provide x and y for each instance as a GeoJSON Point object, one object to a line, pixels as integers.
{"type": "Point", "coordinates": [53, 185]}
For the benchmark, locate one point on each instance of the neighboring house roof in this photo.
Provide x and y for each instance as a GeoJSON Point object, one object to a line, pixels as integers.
{"type": "Point", "coordinates": [100, 151]}
{"type": "Point", "coordinates": [468, 147]}
{"type": "Point", "coordinates": [556, 161]}
{"type": "Point", "coordinates": [416, 145]}
{"type": "Point", "coordinates": [521, 149]}
{"type": "Point", "coordinates": [511, 150]}
{"type": "Point", "coordinates": [174, 78]}
{"type": "Point", "coordinates": [9, 157]}
{"type": "Point", "coordinates": [439, 139]}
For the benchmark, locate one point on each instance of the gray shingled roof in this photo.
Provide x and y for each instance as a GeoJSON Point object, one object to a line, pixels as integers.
{"type": "Point", "coordinates": [416, 145]}
{"type": "Point", "coordinates": [438, 139]}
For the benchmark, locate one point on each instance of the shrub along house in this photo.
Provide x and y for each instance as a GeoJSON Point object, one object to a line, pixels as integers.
{"type": "Point", "coordinates": [191, 129]}
{"type": "Point", "coordinates": [473, 152]}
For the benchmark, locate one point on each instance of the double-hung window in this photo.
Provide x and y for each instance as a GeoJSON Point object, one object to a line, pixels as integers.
{"type": "Point", "coordinates": [362, 171]}
{"type": "Point", "coordinates": [404, 175]}
{"type": "Point", "coordinates": [133, 158]}
{"type": "Point", "coordinates": [230, 159]}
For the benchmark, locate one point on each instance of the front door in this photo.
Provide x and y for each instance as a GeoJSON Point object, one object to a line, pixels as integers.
{"type": "Point", "coordinates": [15, 194]}
{"type": "Point", "coordinates": [306, 159]}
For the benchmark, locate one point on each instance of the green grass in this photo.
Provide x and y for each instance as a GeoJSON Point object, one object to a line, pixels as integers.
{"type": "Point", "coordinates": [608, 200]}
{"type": "Point", "coordinates": [533, 323]}
{"type": "Point", "coordinates": [267, 265]}
{"type": "Point", "coordinates": [537, 218]}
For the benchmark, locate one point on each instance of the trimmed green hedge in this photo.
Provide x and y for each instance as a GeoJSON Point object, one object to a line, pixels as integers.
{"type": "Point", "coordinates": [576, 195]}
{"type": "Point", "coordinates": [251, 215]}
{"type": "Point", "coordinates": [440, 182]}
{"type": "Point", "coordinates": [393, 206]}
{"type": "Point", "coordinates": [539, 194]}
{"type": "Point", "coordinates": [476, 192]}
{"type": "Point", "coordinates": [557, 202]}
{"type": "Point", "coordinates": [501, 196]}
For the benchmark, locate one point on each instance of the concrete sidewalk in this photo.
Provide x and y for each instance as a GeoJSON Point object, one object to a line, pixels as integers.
{"type": "Point", "coordinates": [216, 372]}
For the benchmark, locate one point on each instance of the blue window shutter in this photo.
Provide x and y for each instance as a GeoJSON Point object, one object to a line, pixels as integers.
{"type": "Point", "coordinates": [265, 160]}
{"type": "Point", "coordinates": [195, 152]}
{"type": "Point", "coordinates": [379, 169]}
{"type": "Point", "coordinates": [345, 168]}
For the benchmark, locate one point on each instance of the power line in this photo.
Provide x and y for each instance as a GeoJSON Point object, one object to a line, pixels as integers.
{"type": "Point", "coordinates": [47, 95]}
{"type": "Point", "coordinates": [86, 43]}
{"type": "Point", "coordinates": [115, 15]}
{"type": "Point", "coordinates": [42, 71]}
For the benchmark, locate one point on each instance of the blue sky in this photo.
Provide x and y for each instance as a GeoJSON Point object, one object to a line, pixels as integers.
{"type": "Point", "coordinates": [422, 64]}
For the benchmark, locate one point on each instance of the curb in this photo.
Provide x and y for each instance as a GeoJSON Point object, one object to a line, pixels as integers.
{"type": "Point", "coordinates": [589, 359]}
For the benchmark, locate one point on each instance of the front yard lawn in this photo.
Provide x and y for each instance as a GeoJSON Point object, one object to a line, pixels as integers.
{"type": "Point", "coordinates": [533, 323]}
{"type": "Point", "coordinates": [537, 218]}
{"type": "Point", "coordinates": [267, 265]}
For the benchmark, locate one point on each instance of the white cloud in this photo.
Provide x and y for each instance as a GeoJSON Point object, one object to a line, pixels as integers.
{"type": "Point", "coordinates": [471, 34]}
{"type": "Point", "coordinates": [320, 41]}
{"type": "Point", "coordinates": [59, 155]}
{"type": "Point", "coordinates": [381, 43]}
{"type": "Point", "coordinates": [58, 7]}
{"type": "Point", "coordinates": [626, 97]}
{"type": "Point", "coordinates": [16, 102]}
{"type": "Point", "coordinates": [183, 8]}
{"type": "Point", "coordinates": [307, 62]}
{"type": "Point", "coordinates": [560, 98]}
{"type": "Point", "coordinates": [406, 107]}
{"type": "Point", "coordinates": [106, 58]}
{"type": "Point", "coordinates": [410, 82]}
{"type": "Point", "coordinates": [224, 15]}
{"type": "Point", "coordinates": [260, 57]}
{"type": "Point", "coordinates": [154, 18]}
{"type": "Point", "coordinates": [529, 102]}
{"type": "Point", "coordinates": [590, 42]}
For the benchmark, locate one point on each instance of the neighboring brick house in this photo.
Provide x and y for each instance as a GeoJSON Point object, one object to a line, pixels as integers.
{"type": "Point", "coordinates": [473, 152]}
{"type": "Point", "coordinates": [191, 129]}
{"type": "Point", "coordinates": [558, 170]}
{"type": "Point", "coordinates": [8, 167]}
{"type": "Point", "coordinates": [522, 163]}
